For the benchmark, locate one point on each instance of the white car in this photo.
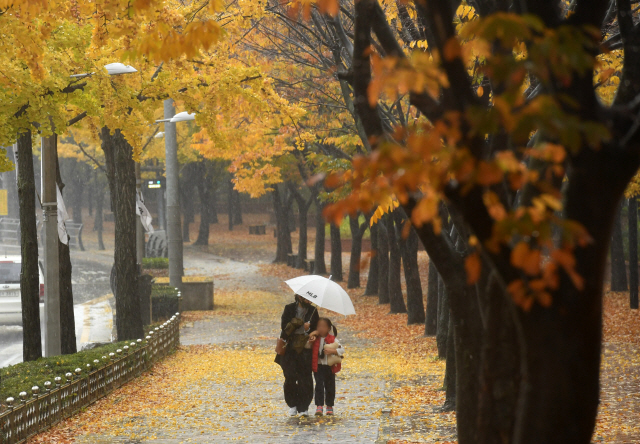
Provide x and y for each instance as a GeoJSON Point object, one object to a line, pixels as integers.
{"type": "Point", "coordinates": [10, 301]}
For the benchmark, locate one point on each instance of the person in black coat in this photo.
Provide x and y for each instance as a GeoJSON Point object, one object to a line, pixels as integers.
{"type": "Point", "coordinates": [298, 319]}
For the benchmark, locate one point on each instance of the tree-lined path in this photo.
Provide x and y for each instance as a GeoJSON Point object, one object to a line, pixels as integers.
{"type": "Point", "coordinates": [222, 385]}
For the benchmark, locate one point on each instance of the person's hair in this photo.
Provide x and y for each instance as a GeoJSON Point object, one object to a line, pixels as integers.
{"type": "Point", "coordinates": [300, 299]}
{"type": "Point", "coordinates": [330, 324]}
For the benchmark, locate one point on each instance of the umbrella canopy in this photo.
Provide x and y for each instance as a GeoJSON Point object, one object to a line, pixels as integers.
{"type": "Point", "coordinates": [323, 292]}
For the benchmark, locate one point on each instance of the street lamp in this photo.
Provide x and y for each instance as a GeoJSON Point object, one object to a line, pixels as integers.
{"type": "Point", "coordinates": [113, 69]}
{"type": "Point", "coordinates": [183, 116]}
{"type": "Point", "coordinates": [174, 233]}
{"type": "Point", "coordinates": [52, 340]}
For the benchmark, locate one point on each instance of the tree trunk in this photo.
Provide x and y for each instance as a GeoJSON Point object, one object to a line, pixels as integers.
{"type": "Point", "coordinates": [11, 184]}
{"type": "Point", "coordinates": [409, 253]}
{"type": "Point", "coordinates": [450, 371]}
{"type": "Point", "coordinates": [230, 202]}
{"type": "Point", "coordinates": [237, 208]}
{"type": "Point", "coordinates": [303, 210]}
{"type": "Point", "coordinates": [336, 253]}
{"type": "Point", "coordinates": [353, 280]}
{"type": "Point", "coordinates": [443, 319]}
{"type": "Point", "coordinates": [500, 368]}
{"type": "Point", "coordinates": [186, 200]}
{"type": "Point", "coordinates": [633, 252]}
{"type": "Point", "coordinates": [468, 348]}
{"type": "Point", "coordinates": [431, 322]}
{"type": "Point", "coordinates": [383, 263]}
{"type": "Point", "coordinates": [373, 278]}
{"type": "Point", "coordinates": [563, 342]}
{"type": "Point", "coordinates": [122, 185]}
{"type": "Point", "coordinates": [203, 186]}
{"type": "Point", "coordinates": [462, 303]}
{"type": "Point", "coordinates": [76, 195]}
{"type": "Point", "coordinates": [67, 316]}
{"type": "Point", "coordinates": [97, 222]}
{"type": "Point", "coordinates": [618, 265]}
{"type": "Point", "coordinates": [395, 265]}
{"type": "Point", "coordinates": [91, 196]}
{"type": "Point", "coordinates": [283, 246]}
{"type": "Point", "coordinates": [213, 210]}
{"type": "Point", "coordinates": [29, 273]}
{"type": "Point", "coordinates": [319, 266]}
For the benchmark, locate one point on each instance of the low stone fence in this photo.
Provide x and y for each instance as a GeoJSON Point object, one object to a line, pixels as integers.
{"type": "Point", "coordinates": [69, 394]}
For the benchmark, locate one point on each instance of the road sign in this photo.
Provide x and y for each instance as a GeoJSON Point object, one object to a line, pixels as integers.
{"type": "Point", "coordinates": [154, 184]}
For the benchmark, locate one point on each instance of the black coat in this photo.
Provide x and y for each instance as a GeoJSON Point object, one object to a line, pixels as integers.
{"type": "Point", "coordinates": [289, 313]}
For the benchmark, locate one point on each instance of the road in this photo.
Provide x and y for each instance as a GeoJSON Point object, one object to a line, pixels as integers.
{"type": "Point", "coordinates": [93, 307]}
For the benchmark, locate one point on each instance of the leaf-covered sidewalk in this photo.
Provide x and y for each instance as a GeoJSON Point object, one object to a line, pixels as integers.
{"type": "Point", "coordinates": [222, 384]}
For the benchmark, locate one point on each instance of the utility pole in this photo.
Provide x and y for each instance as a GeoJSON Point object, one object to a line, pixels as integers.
{"type": "Point", "coordinates": [174, 232]}
{"type": "Point", "coordinates": [139, 229]}
{"type": "Point", "coordinates": [52, 344]}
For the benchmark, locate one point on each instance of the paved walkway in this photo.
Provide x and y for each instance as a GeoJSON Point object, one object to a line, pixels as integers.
{"type": "Point", "coordinates": [222, 386]}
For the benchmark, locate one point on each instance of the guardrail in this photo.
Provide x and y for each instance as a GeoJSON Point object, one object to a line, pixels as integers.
{"type": "Point", "coordinates": [75, 391]}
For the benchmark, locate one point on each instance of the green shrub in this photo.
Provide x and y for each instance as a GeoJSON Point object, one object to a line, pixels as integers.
{"type": "Point", "coordinates": [164, 302]}
{"type": "Point", "coordinates": [155, 262]}
{"type": "Point", "coordinates": [158, 290]}
{"type": "Point", "coordinates": [21, 377]}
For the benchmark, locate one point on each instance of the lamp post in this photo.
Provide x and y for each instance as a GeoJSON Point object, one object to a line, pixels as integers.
{"type": "Point", "coordinates": [52, 330]}
{"type": "Point", "coordinates": [52, 344]}
{"type": "Point", "coordinates": [174, 232]}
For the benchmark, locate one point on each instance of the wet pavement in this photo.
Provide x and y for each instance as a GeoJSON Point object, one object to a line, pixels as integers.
{"type": "Point", "coordinates": [222, 385]}
{"type": "Point", "coordinates": [93, 304]}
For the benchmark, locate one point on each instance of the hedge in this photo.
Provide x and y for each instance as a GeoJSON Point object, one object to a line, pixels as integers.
{"type": "Point", "coordinates": [155, 263]}
{"type": "Point", "coordinates": [164, 302]}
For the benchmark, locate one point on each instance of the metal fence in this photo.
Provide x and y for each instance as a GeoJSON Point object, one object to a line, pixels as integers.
{"type": "Point", "coordinates": [67, 395]}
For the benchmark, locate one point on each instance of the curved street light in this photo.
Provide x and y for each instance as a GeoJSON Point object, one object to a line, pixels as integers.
{"type": "Point", "coordinates": [113, 69]}
{"type": "Point", "coordinates": [182, 117]}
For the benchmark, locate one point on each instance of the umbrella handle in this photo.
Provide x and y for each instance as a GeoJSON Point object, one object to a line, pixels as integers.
{"type": "Point", "coordinates": [314, 309]}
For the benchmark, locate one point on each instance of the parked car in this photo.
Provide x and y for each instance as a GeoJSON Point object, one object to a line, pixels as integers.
{"type": "Point", "coordinates": [10, 301]}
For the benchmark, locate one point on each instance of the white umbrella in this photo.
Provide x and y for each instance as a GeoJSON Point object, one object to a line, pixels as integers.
{"type": "Point", "coordinates": [323, 292]}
